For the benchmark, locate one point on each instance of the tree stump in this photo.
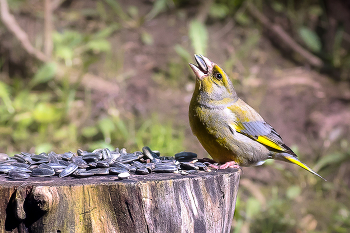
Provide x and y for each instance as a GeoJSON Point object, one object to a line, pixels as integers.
{"type": "Point", "coordinates": [200, 202]}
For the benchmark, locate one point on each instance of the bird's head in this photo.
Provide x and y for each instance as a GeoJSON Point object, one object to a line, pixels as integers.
{"type": "Point", "coordinates": [212, 83]}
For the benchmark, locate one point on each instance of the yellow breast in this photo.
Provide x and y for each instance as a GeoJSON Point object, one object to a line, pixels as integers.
{"type": "Point", "coordinates": [210, 133]}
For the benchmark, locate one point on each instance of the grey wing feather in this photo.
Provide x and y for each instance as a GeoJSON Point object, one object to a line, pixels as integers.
{"type": "Point", "coordinates": [255, 129]}
{"type": "Point", "coordinates": [261, 128]}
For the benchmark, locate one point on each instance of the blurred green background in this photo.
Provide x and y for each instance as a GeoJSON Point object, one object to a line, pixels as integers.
{"type": "Point", "coordinates": [115, 74]}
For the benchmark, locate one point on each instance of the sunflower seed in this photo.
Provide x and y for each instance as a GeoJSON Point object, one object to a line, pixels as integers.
{"type": "Point", "coordinates": [68, 170]}
{"type": "Point", "coordinates": [42, 172]}
{"type": "Point", "coordinates": [17, 175]}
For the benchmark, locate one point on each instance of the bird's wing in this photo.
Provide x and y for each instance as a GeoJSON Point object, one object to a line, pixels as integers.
{"type": "Point", "coordinates": [251, 124]}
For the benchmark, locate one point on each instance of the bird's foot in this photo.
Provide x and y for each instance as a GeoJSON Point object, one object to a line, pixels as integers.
{"type": "Point", "coordinates": [231, 164]}
{"type": "Point", "coordinates": [213, 166]}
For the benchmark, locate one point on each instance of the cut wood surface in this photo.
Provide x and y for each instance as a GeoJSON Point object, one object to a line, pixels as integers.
{"type": "Point", "coordinates": [200, 202]}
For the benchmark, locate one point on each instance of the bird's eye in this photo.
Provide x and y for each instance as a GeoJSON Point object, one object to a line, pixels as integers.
{"type": "Point", "coordinates": [218, 76]}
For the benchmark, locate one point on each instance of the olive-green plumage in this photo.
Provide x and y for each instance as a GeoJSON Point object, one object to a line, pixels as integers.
{"type": "Point", "coordinates": [227, 127]}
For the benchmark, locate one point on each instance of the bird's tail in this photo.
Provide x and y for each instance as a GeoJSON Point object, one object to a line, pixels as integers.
{"type": "Point", "coordinates": [296, 161]}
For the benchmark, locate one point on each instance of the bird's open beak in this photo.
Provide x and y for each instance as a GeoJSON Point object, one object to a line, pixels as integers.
{"type": "Point", "coordinates": [204, 65]}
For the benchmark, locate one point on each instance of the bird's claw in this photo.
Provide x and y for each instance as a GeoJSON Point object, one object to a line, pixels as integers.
{"type": "Point", "coordinates": [231, 164]}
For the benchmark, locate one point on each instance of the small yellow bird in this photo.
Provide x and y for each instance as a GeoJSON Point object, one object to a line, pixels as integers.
{"type": "Point", "coordinates": [230, 130]}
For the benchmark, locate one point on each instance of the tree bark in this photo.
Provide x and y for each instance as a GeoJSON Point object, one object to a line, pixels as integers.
{"type": "Point", "coordinates": [201, 202]}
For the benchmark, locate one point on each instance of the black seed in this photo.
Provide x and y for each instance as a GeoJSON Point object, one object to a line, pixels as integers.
{"type": "Point", "coordinates": [6, 168]}
{"type": "Point", "coordinates": [68, 170]}
{"type": "Point", "coordinates": [114, 155]}
{"type": "Point", "coordinates": [192, 171]}
{"type": "Point", "coordinates": [83, 173]}
{"type": "Point", "coordinates": [127, 158]}
{"type": "Point", "coordinates": [97, 152]}
{"type": "Point", "coordinates": [201, 166]}
{"type": "Point", "coordinates": [21, 165]}
{"type": "Point", "coordinates": [63, 162]}
{"type": "Point", "coordinates": [150, 166]}
{"type": "Point", "coordinates": [52, 157]}
{"type": "Point", "coordinates": [22, 169]}
{"type": "Point", "coordinates": [43, 154]}
{"type": "Point", "coordinates": [117, 170]}
{"type": "Point", "coordinates": [102, 164]}
{"type": "Point", "coordinates": [80, 152]}
{"type": "Point", "coordinates": [42, 172]}
{"type": "Point", "coordinates": [138, 154]}
{"type": "Point", "coordinates": [90, 158]}
{"type": "Point", "coordinates": [26, 154]}
{"type": "Point", "coordinates": [123, 151]}
{"type": "Point", "coordinates": [67, 156]}
{"type": "Point", "coordinates": [147, 152]}
{"type": "Point", "coordinates": [17, 175]}
{"type": "Point", "coordinates": [80, 162]}
{"type": "Point", "coordinates": [132, 169]}
{"type": "Point", "coordinates": [165, 168]}
{"type": "Point", "coordinates": [137, 164]}
{"type": "Point", "coordinates": [106, 154]}
{"type": "Point", "coordinates": [44, 165]}
{"type": "Point", "coordinates": [56, 166]}
{"type": "Point", "coordinates": [92, 165]}
{"type": "Point", "coordinates": [39, 157]}
{"type": "Point", "coordinates": [156, 152]}
{"type": "Point", "coordinates": [185, 156]}
{"type": "Point", "coordinates": [19, 158]}
{"type": "Point", "coordinates": [100, 171]}
{"type": "Point", "coordinates": [142, 171]}
{"type": "Point", "coordinates": [188, 166]}
{"type": "Point", "coordinates": [120, 165]}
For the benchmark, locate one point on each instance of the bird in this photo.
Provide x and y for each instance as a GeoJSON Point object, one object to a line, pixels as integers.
{"type": "Point", "coordinates": [230, 130]}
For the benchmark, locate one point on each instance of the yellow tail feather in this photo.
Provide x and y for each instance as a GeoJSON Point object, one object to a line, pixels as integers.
{"type": "Point", "coordinates": [297, 162]}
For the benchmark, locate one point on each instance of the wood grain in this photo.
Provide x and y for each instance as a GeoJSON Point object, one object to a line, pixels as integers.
{"type": "Point", "coordinates": [201, 202]}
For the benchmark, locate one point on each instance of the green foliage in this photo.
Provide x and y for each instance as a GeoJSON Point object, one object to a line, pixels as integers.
{"type": "Point", "coordinates": [152, 132]}
{"type": "Point", "coordinates": [146, 38]}
{"type": "Point", "coordinates": [158, 7]}
{"type": "Point", "coordinates": [311, 39]}
{"type": "Point", "coordinates": [106, 126]}
{"type": "Point", "coordinates": [331, 159]}
{"type": "Point", "coordinates": [5, 96]}
{"type": "Point", "coordinates": [242, 18]}
{"type": "Point", "coordinates": [219, 11]}
{"type": "Point", "coordinates": [46, 113]}
{"type": "Point", "coordinates": [199, 37]}
{"type": "Point", "coordinates": [71, 45]}
{"type": "Point", "coordinates": [118, 10]}
{"type": "Point", "coordinates": [161, 137]}
{"type": "Point", "coordinates": [98, 45]}
{"type": "Point", "coordinates": [293, 192]}
{"type": "Point", "coordinates": [253, 208]}
{"type": "Point", "coordinates": [44, 74]}
{"type": "Point", "coordinates": [183, 53]}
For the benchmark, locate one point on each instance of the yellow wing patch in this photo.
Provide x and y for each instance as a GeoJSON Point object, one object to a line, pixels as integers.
{"type": "Point", "coordinates": [262, 139]}
{"type": "Point", "coordinates": [267, 142]}
{"type": "Point", "coordinates": [237, 127]}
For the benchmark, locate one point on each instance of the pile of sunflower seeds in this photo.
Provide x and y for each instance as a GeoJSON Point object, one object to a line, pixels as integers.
{"type": "Point", "coordinates": [98, 162]}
